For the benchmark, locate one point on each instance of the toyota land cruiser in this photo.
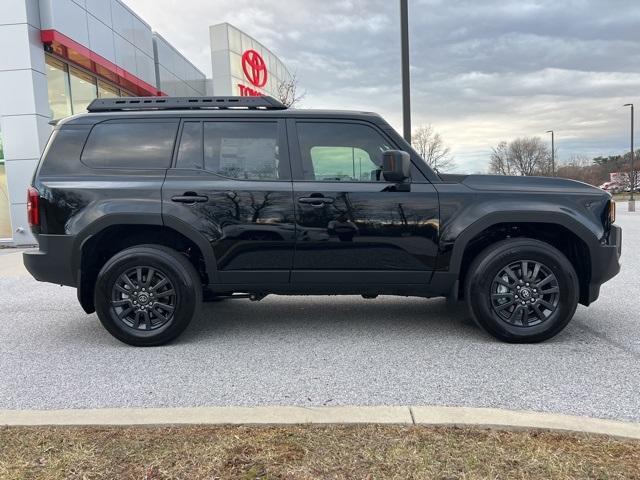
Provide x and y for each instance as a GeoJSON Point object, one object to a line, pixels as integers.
{"type": "Point", "coordinates": [149, 206]}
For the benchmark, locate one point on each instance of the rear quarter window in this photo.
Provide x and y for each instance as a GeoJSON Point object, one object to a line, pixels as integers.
{"type": "Point", "coordinates": [129, 144]}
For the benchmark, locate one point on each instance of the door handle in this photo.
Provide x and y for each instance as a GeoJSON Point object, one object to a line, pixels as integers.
{"type": "Point", "coordinates": [316, 201]}
{"type": "Point", "coordinates": [190, 198]}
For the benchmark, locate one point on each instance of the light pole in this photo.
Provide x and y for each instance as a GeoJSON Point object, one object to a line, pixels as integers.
{"type": "Point", "coordinates": [632, 200]}
{"type": "Point", "coordinates": [406, 74]}
{"type": "Point", "coordinates": [553, 153]}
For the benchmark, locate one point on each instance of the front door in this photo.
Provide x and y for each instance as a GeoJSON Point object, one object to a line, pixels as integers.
{"type": "Point", "coordinates": [231, 182]}
{"type": "Point", "coordinates": [352, 226]}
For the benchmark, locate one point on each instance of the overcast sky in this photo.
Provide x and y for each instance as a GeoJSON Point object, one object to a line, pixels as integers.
{"type": "Point", "coordinates": [482, 71]}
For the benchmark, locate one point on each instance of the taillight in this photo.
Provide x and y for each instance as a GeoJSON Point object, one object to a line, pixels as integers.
{"type": "Point", "coordinates": [612, 211]}
{"type": "Point", "coordinates": [33, 207]}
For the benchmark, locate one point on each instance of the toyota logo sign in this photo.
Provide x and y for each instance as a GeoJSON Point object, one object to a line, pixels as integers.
{"type": "Point", "coordinates": [255, 68]}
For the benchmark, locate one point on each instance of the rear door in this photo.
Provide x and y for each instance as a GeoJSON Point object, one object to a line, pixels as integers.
{"type": "Point", "coordinates": [231, 182]}
{"type": "Point", "coordinates": [352, 226]}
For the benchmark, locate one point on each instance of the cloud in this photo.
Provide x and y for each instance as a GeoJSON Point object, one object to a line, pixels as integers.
{"type": "Point", "coordinates": [482, 72]}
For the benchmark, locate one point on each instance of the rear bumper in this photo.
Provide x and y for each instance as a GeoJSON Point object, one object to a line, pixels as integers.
{"type": "Point", "coordinates": [605, 262]}
{"type": "Point", "coordinates": [52, 261]}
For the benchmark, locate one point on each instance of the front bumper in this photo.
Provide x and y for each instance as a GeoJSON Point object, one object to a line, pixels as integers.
{"type": "Point", "coordinates": [605, 262]}
{"type": "Point", "coordinates": [52, 261]}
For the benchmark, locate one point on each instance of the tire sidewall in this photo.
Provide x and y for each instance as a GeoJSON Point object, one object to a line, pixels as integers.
{"type": "Point", "coordinates": [490, 264]}
{"type": "Point", "coordinates": [179, 274]}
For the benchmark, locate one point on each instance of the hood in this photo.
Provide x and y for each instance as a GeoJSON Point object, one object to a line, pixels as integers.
{"type": "Point", "coordinates": [529, 184]}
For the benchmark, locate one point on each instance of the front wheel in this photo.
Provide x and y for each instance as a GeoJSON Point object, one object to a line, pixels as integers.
{"type": "Point", "coordinates": [147, 295]}
{"type": "Point", "coordinates": [522, 290]}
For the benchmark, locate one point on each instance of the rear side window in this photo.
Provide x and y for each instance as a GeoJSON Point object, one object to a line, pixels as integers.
{"type": "Point", "coordinates": [242, 150]}
{"type": "Point", "coordinates": [190, 150]}
{"type": "Point", "coordinates": [145, 145]}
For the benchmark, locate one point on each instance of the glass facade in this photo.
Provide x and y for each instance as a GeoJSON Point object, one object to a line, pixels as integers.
{"type": "Point", "coordinates": [84, 89]}
{"type": "Point", "coordinates": [5, 217]}
{"type": "Point", "coordinates": [71, 89]}
{"type": "Point", "coordinates": [58, 88]}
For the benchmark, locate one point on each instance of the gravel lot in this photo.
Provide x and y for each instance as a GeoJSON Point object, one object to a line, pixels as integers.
{"type": "Point", "coordinates": [322, 351]}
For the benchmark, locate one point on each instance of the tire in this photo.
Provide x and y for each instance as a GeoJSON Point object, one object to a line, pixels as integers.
{"type": "Point", "coordinates": [169, 294]}
{"type": "Point", "coordinates": [489, 289]}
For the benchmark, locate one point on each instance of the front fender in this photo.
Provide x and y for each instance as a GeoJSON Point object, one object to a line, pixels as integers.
{"type": "Point", "coordinates": [465, 214]}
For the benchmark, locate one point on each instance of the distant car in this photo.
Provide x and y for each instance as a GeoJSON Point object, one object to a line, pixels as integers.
{"type": "Point", "coordinates": [148, 205]}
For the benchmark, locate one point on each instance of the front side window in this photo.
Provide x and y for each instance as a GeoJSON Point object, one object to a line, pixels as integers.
{"type": "Point", "coordinates": [242, 150]}
{"type": "Point", "coordinates": [340, 152]}
{"type": "Point", "coordinates": [134, 145]}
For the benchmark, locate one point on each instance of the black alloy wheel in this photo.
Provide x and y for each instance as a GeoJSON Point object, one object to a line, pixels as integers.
{"type": "Point", "coordinates": [522, 290]}
{"type": "Point", "coordinates": [147, 295]}
{"type": "Point", "coordinates": [143, 298]}
{"type": "Point", "coordinates": [525, 293]}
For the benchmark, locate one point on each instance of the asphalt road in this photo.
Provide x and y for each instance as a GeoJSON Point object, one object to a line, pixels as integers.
{"type": "Point", "coordinates": [322, 351]}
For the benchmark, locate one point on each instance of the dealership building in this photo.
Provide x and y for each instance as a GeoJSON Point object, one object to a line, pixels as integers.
{"type": "Point", "coordinates": [59, 55]}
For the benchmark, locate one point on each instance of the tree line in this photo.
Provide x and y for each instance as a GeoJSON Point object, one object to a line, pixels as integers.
{"type": "Point", "coordinates": [531, 156]}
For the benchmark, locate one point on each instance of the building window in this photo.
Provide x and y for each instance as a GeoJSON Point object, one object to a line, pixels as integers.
{"type": "Point", "coordinates": [107, 91]}
{"type": "Point", "coordinates": [58, 87]}
{"type": "Point", "coordinates": [5, 219]}
{"type": "Point", "coordinates": [83, 89]}
{"type": "Point", "coordinates": [72, 89]}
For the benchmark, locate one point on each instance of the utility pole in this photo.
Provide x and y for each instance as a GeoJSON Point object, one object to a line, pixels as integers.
{"type": "Point", "coordinates": [406, 73]}
{"type": "Point", "coordinates": [632, 200]}
{"type": "Point", "coordinates": [553, 153]}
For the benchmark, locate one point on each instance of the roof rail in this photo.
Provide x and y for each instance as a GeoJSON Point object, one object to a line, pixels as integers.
{"type": "Point", "coordinates": [184, 103]}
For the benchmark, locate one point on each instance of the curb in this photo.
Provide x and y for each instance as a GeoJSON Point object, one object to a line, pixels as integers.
{"type": "Point", "coordinates": [395, 415]}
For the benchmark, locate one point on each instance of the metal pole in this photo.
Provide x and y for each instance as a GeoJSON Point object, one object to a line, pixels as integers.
{"type": "Point", "coordinates": [633, 155]}
{"type": "Point", "coordinates": [632, 200]}
{"type": "Point", "coordinates": [406, 74]}
{"type": "Point", "coordinates": [553, 153]}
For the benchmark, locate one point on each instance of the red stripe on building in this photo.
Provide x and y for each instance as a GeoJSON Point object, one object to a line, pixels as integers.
{"type": "Point", "coordinates": [84, 57]}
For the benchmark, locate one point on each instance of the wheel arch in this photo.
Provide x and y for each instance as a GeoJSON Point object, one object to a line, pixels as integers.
{"type": "Point", "coordinates": [573, 239]}
{"type": "Point", "coordinates": [113, 233]}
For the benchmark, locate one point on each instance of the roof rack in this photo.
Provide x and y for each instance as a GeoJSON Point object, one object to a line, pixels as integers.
{"type": "Point", "coordinates": [184, 103]}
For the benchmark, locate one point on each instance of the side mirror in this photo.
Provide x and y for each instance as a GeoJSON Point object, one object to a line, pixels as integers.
{"type": "Point", "coordinates": [396, 166]}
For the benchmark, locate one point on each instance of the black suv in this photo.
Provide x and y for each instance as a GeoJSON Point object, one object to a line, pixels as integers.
{"type": "Point", "coordinates": [148, 206]}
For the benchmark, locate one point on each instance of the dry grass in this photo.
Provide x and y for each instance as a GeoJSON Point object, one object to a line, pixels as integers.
{"type": "Point", "coordinates": [310, 452]}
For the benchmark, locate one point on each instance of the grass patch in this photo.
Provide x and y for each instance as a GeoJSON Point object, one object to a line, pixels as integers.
{"type": "Point", "coordinates": [309, 452]}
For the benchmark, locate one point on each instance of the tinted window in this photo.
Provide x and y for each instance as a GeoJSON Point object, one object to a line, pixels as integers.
{"type": "Point", "coordinates": [130, 145]}
{"type": "Point", "coordinates": [340, 151]}
{"type": "Point", "coordinates": [190, 150]}
{"type": "Point", "coordinates": [243, 150]}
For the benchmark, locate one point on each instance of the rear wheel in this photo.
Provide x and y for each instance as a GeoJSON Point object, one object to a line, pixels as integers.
{"type": "Point", "coordinates": [522, 290]}
{"type": "Point", "coordinates": [147, 295]}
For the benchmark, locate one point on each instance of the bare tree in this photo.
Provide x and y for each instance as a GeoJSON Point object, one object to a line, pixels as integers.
{"type": "Point", "coordinates": [500, 163]}
{"type": "Point", "coordinates": [522, 156]}
{"type": "Point", "coordinates": [429, 144]}
{"type": "Point", "coordinates": [581, 168]}
{"type": "Point", "coordinates": [288, 92]}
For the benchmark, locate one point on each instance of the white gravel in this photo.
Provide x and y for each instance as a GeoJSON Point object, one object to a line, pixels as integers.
{"type": "Point", "coordinates": [324, 351]}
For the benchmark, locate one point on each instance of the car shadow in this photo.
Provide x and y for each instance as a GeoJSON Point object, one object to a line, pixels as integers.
{"type": "Point", "coordinates": [331, 317]}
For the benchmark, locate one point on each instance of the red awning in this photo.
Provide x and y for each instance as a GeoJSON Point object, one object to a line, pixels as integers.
{"type": "Point", "coordinates": [64, 47]}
